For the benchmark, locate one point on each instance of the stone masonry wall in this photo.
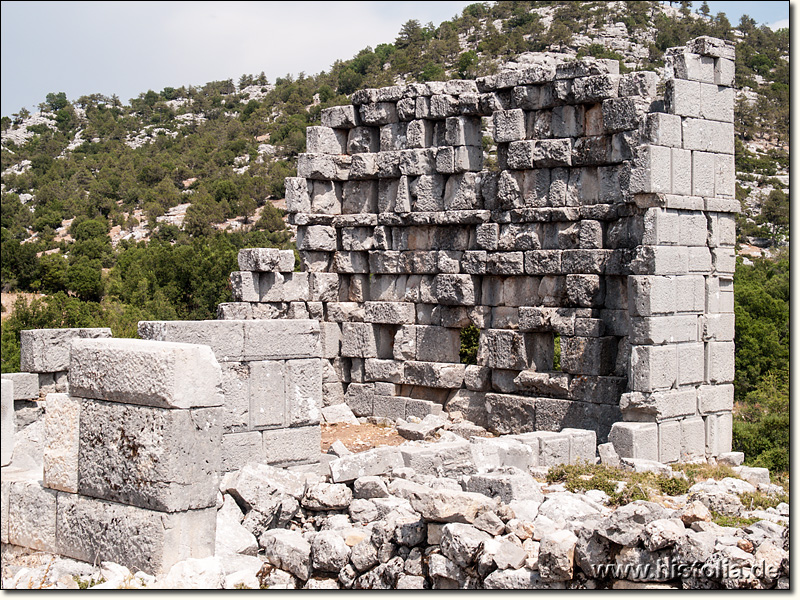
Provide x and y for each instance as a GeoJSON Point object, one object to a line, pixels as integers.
{"type": "Point", "coordinates": [604, 228]}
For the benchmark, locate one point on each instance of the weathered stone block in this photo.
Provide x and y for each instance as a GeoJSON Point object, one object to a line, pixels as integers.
{"type": "Point", "coordinates": [266, 259]}
{"type": "Point", "coordinates": [433, 374]}
{"type": "Point", "coordinates": [719, 362]}
{"type": "Point", "coordinates": [291, 446]}
{"type": "Point", "coordinates": [635, 440]}
{"type": "Point", "coordinates": [510, 414]}
{"type": "Point", "coordinates": [663, 129]}
{"type": "Point", "coordinates": [62, 425]}
{"type": "Point", "coordinates": [509, 125]}
{"type": "Point", "coordinates": [340, 117]}
{"type": "Point", "coordinates": [169, 375]}
{"type": "Point", "coordinates": [8, 421]}
{"type": "Point", "coordinates": [166, 460]}
{"type": "Point", "coordinates": [94, 530]}
{"type": "Point", "coordinates": [240, 448]}
{"type": "Point", "coordinates": [669, 442]}
{"type": "Point", "coordinates": [653, 368]}
{"type": "Point", "coordinates": [26, 385]}
{"type": "Point", "coordinates": [303, 391]}
{"type": "Point", "coordinates": [47, 350]}
{"type": "Point", "coordinates": [693, 438]}
{"type": "Point", "coordinates": [659, 406]}
{"type": "Point", "coordinates": [31, 516]}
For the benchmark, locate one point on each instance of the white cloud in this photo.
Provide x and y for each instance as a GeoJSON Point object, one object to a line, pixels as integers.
{"type": "Point", "coordinates": [782, 24]}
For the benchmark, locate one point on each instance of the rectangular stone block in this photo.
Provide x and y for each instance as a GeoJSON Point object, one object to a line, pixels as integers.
{"type": "Point", "coordinates": [714, 398]}
{"type": "Point", "coordinates": [241, 448]}
{"type": "Point", "coordinates": [340, 117]}
{"type": "Point", "coordinates": [26, 385]}
{"type": "Point", "coordinates": [267, 394]}
{"type": "Point", "coordinates": [62, 426]}
{"type": "Point", "coordinates": [653, 368]}
{"type": "Point", "coordinates": [8, 421]}
{"type": "Point", "coordinates": [669, 442]}
{"type": "Point", "coordinates": [720, 328]}
{"type": "Point", "coordinates": [303, 391]}
{"type": "Point", "coordinates": [292, 446]}
{"type": "Point", "coordinates": [391, 407]}
{"type": "Point", "coordinates": [438, 344]}
{"type": "Point", "coordinates": [245, 286]}
{"type": "Point", "coordinates": [719, 362]}
{"type": "Point", "coordinates": [724, 176]}
{"type": "Point", "coordinates": [504, 451]}
{"type": "Point", "coordinates": [718, 433]}
{"type": "Point", "coordinates": [635, 440]}
{"type": "Point", "coordinates": [433, 374]}
{"type": "Point", "coordinates": [691, 367]}
{"type": "Point", "coordinates": [166, 460]}
{"type": "Point", "coordinates": [31, 518]}
{"type": "Point", "coordinates": [658, 406]}
{"type": "Point", "coordinates": [503, 349]}
{"type": "Point", "coordinates": [266, 259]}
{"type": "Point", "coordinates": [297, 197]}
{"type": "Point", "coordinates": [397, 313]}
{"type": "Point", "coordinates": [681, 97]}
{"type": "Point", "coordinates": [377, 461]}
{"type": "Point", "coordinates": [94, 530]}
{"type": "Point", "coordinates": [582, 445]}
{"type": "Point", "coordinates": [358, 340]}
{"type": "Point", "coordinates": [283, 287]}
{"type": "Point", "coordinates": [691, 66]}
{"type": "Point", "coordinates": [509, 125]}
{"type": "Point", "coordinates": [708, 136]}
{"type": "Point", "coordinates": [716, 102]}
{"type": "Point", "coordinates": [163, 374]}
{"type": "Point", "coordinates": [226, 338]}
{"type": "Point", "coordinates": [280, 339]}
{"type": "Point", "coordinates": [652, 172]}
{"type": "Point", "coordinates": [588, 355]}
{"type": "Point", "coordinates": [649, 295]}
{"type": "Point", "coordinates": [703, 174]}
{"type": "Point", "coordinates": [724, 71]}
{"type": "Point", "coordinates": [693, 438]}
{"type": "Point", "coordinates": [666, 329]}
{"type": "Point", "coordinates": [662, 129]}
{"type": "Point", "coordinates": [47, 350]}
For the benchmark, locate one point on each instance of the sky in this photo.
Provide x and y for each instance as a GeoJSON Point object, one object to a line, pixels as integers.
{"type": "Point", "coordinates": [126, 48]}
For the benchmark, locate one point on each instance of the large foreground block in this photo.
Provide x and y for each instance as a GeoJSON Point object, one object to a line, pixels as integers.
{"type": "Point", "coordinates": [635, 440]}
{"type": "Point", "coordinates": [168, 375]}
{"type": "Point", "coordinates": [32, 516]}
{"type": "Point", "coordinates": [165, 460]}
{"type": "Point", "coordinates": [93, 530]}
{"type": "Point", "coordinates": [47, 350]}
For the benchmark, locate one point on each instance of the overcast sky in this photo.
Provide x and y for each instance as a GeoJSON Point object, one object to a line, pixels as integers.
{"type": "Point", "coordinates": [126, 48]}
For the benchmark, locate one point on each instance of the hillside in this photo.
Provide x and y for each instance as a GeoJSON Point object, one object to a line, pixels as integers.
{"type": "Point", "coordinates": [122, 212]}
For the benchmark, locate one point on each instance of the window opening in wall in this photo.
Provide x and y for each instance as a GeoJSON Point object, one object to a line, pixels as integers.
{"type": "Point", "coordinates": [469, 345]}
{"type": "Point", "coordinates": [557, 352]}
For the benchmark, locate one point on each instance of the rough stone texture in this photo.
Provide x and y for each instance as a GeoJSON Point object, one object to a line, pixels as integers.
{"type": "Point", "coordinates": [94, 530]}
{"type": "Point", "coordinates": [31, 516]}
{"type": "Point", "coordinates": [167, 375]}
{"type": "Point", "coordinates": [8, 421]}
{"type": "Point", "coordinates": [62, 439]}
{"type": "Point", "coordinates": [26, 385]}
{"type": "Point", "coordinates": [48, 350]}
{"type": "Point", "coordinates": [154, 458]}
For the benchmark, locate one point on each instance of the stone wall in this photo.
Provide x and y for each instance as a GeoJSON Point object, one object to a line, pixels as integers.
{"type": "Point", "coordinates": [602, 228]}
{"type": "Point", "coordinates": [131, 458]}
{"type": "Point", "coordinates": [271, 383]}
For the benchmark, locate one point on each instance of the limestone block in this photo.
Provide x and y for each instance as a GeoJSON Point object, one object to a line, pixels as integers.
{"type": "Point", "coordinates": [26, 385]}
{"type": "Point", "coordinates": [291, 446]}
{"type": "Point", "coordinates": [714, 398]}
{"type": "Point", "coordinates": [31, 517]}
{"type": "Point", "coordinates": [510, 414]}
{"type": "Point", "coordinates": [658, 406]}
{"type": "Point", "coordinates": [691, 367]}
{"type": "Point", "coordinates": [303, 391]}
{"type": "Point", "coordinates": [567, 121]}
{"type": "Point", "coordinates": [681, 171]}
{"type": "Point", "coordinates": [8, 421]}
{"type": "Point", "coordinates": [724, 71]}
{"type": "Point", "coordinates": [708, 136]}
{"type": "Point", "coordinates": [719, 362]}
{"type": "Point", "coordinates": [650, 295]}
{"type": "Point", "coordinates": [62, 421]}
{"type": "Point", "coordinates": [438, 344]}
{"type": "Point", "coordinates": [582, 445]}
{"type": "Point", "coordinates": [240, 448]}
{"type": "Point", "coordinates": [663, 129]}
{"type": "Point", "coordinates": [718, 433]}
{"type": "Point", "coordinates": [245, 286]}
{"type": "Point", "coordinates": [553, 448]}
{"type": "Point", "coordinates": [165, 460]}
{"type": "Point", "coordinates": [362, 139]}
{"type": "Point", "coordinates": [378, 113]}
{"type": "Point", "coordinates": [5, 493]}
{"type": "Point", "coordinates": [397, 313]}
{"type": "Point", "coordinates": [140, 539]}
{"type": "Point", "coordinates": [47, 350]}
{"type": "Point", "coordinates": [316, 237]}
{"type": "Point", "coordinates": [691, 66]}
{"type": "Point", "coordinates": [503, 349]}
{"type": "Point", "coordinates": [669, 442]}
{"type": "Point", "coordinates": [283, 287]}
{"type": "Point", "coordinates": [421, 161]}
{"type": "Point", "coordinates": [699, 260]}
{"type": "Point", "coordinates": [360, 397]}
{"type": "Point", "coordinates": [463, 131]}
{"type": "Point", "coordinates": [391, 407]}
{"type": "Point", "coordinates": [443, 105]}
{"type": "Point", "coordinates": [693, 438]}
{"type": "Point", "coordinates": [509, 125]}
{"type": "Point", "coordinates": [266, 259]}
{"type": "Point", "coordinates": [635, 440]}
{"type": "Point", "coordinates": [640, 83]}
{"type": "Point", "coordinates": [341, 117]}
{"type": "Point", "coordinates": [163, 374]}
{"type": "Point", "coordinates": [358, 340]}
{"type": "Point", "coordinates": [326, 197]}
{"type": "Point", "coordinates": [377, 461]}
{"type": "Point", "coordinates": [703, 173]}
{"type": "Point", "coordinates": [653, 368]}
{"type": "Point", "coordinates": [652, 172]}
{"type": "Point", "coordinates": [724, 176]}
{"type": "Point", "coordinates": [681, 97]}
{"type": "Point", "coordinates": [324, 140]}
{"type": "Point", "coordinates": [718, 327]}
{"type": "Point", "coordinates": [588, 355]}
{"type": "Point", "coordinates": [433, 374]}
{"type": "Point", "coordinates": [504, 451]}
{"type": "Point", "coordinates": [716, 102]}
{"type": "Point", "coordinates": [280, 339]}
{"type": "Point", "coordinates": [452, 289]}
{"type": "Point", "coordinates": [297, 197]}
{"type": "Point", "coordinates": [715, 47]}
{"type": "Point", "coordinates": [664, 329]}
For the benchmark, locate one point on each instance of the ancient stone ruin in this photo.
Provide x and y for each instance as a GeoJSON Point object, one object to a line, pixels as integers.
{"type": "Point", "coordinates": [578, 221]}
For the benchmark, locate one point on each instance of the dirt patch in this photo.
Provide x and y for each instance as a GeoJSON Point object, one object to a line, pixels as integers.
{"type": "Point", "coordinates": [8, 300]}
{"type": "Point", "coordinates": [358, 438]}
